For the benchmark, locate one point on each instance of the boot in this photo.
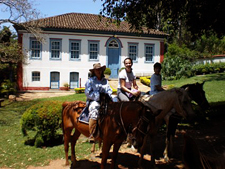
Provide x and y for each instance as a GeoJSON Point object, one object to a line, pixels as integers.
{"type": "Point", "coordinates": [92, 127]}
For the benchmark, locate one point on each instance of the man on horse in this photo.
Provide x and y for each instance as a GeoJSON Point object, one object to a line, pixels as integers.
{"type": "Point", "coordinates": [95, 85]}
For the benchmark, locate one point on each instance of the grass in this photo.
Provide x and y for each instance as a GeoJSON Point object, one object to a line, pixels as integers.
{"type": "Point", "coordinates": [14, 153]}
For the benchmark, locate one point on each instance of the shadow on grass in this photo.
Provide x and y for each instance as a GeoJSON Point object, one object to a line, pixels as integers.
{"type": "Point", "coordinates": [50, 143]}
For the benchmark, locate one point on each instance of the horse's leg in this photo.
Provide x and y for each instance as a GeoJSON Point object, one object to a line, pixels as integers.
{"type": "Point", "coordinates": [165, 153]}
{"type": "Point", "coordinates": [105, 152]}
{"type": "Point", "coordinates": [93, 147]}
{"type": "Point", "coordinates": [142, 151]}
{"type": "Point", "coordinates": [66, 136]}
{"type": "Point", "coordinates": [75, 137]}
{"type": "Point", "coordinates": [116, 147]}
{"type": "Point", "coordinates": [152, 150]}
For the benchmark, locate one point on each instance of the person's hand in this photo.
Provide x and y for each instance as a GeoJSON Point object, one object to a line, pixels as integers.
{"type": "Point", "coordinates": [98, 87]}
{"type": "Point", "coordinates": [136, 92]}
{"type": "Point", "coordinates": [102, 90]}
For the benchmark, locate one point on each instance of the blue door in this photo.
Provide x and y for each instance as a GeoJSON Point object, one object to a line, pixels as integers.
{"type": "Point", "coordinates": [113, 58]}
{"type": "Point", "coordinates": [74, 80]}
{"type": "Point", "coordinates": [54, 84]}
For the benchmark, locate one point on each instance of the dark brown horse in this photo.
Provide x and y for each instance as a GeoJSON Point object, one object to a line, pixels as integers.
{"type": "Point", "coordinates": [176, 98]}
{"type": "Point", "coordinates": [117, 119]}
{"type": "Point", "coordinates": [197, 94]}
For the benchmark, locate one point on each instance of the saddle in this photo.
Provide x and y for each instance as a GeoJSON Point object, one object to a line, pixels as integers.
{"type": "Point", "coordinates": [84, 116]}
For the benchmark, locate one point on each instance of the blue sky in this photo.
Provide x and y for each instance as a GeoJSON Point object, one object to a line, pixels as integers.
{"type": "Point", "coordinates": [58, 7]}
{"type": "Point", "coordinates": [48, 8]}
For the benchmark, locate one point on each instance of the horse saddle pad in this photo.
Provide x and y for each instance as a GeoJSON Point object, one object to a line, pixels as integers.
{"type": "Point", "coordinates": [84, 116]}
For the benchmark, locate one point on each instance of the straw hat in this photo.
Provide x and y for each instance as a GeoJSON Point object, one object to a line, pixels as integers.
{"type": "Point", "coordinates": [97, 66]}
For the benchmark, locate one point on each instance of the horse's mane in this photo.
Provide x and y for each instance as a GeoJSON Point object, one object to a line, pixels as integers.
{"type": "Point", "coordinates": [69, 105]}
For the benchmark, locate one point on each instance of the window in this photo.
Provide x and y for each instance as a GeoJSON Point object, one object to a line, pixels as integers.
{"type": "Point", "coordinates": [149, 52]}
{"type": "Point", "coordinates": [74, 49]}
{"type": "Point", "coordinates": [55, 48]}
{"type": "Point", "coordinates": [133, 51]}
{"type": "Point", "coordinates": [113, 44]}
{"type": "Point", "coordinates": [35, 76]}
{"type": "Point", "coordinates": [35, 49]}
{"type": "Point", "coordinates": [93, 50]}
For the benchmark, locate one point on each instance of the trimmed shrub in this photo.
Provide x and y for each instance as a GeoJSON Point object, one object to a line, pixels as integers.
{"type": "Point", "coordinates": [107, 71]}
{"type": "Point", "coordinates": [145, 80]}
{"type": "Point", "coordinates": [121, 69]}
{"type": "Point", "coordinates": [199, 69]}
{"type": "Point", "coordinates": [79, 90]}
{"type": "Point", "coordinates": [44, 118]}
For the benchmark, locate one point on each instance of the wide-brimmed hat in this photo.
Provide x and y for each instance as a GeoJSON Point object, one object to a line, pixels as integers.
{"type": "Point", "coordinates": [98, 66]}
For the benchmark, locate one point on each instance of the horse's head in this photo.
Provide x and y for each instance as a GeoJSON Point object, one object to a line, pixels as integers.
{"type": "Point", "coordinates": [183, 105]}
{"type": "Point", "coordinates": [197, 94]}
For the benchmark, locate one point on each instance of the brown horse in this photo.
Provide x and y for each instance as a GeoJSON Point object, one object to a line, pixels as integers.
{"type": "Point", "coordinates": [71, 112]}
{"type": "Point", "coordinates": [166, 100]}
{"type": "Point", "coordinates": [193, 158]}
{"type": "Point", "coordinates": [196, 93]}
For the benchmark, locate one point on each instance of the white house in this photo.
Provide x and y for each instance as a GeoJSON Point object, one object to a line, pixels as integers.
{"type": "Point", "coordinates": [74, 42]}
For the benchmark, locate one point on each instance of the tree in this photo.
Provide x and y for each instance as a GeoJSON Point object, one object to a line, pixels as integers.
{"type": "Point", "coordinates": [20, 14]}
{"type": "Point", "coordinates": [10, 52]}
{"type": "Point", "coordinates": [196, 15]}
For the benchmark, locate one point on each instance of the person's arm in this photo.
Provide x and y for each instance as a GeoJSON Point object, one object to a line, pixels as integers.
{"type": "Point", "coordinates": [135, 84]}
{"type": "Point", "coordinates": [138, 92]}
{"type": "Point", "coordinates": [91, 92]}
{"type": "Point", "coordinates": [159, 88]}
{"type": "Point", "coordinates": [123, 87]}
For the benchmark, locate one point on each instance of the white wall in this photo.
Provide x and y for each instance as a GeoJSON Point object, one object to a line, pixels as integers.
{"type": "Point", "coordinates": [65, 66]}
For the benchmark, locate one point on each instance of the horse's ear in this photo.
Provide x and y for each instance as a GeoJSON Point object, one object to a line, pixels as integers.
{"type": "Point", "coordinates": [179, 91]}
{"type": "Point", "coordinates": [187, 88]}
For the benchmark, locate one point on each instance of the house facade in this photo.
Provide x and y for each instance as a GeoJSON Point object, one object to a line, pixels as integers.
{"type": "Point", "coordinates": [74, 42]}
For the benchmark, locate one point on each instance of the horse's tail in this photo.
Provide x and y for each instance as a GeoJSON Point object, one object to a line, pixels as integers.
{"type": "Point", "coordinates": [63, 108]}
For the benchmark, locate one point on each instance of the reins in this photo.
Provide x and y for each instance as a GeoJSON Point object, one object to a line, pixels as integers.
{"type": "Point", "coordinates": [142, 118]}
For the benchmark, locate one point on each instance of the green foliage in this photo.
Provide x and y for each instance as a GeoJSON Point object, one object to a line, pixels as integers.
{"type": "Point", "coordinates": [107, 71]}
{"type": "Point", "coordinates": [121, 69]}
{"type": "Point", "coordinates": [209, 45]}
{"type": "Point", "coordinates": [44, 118]}
{"type": "Point", "coordinates": [199, 69]}
{"type": "Point", "coordinates": [177, 62]}
{"type": "Point", "coordinates": [8, 87]}
{"type": "Point", "coordinates": [145, 80]}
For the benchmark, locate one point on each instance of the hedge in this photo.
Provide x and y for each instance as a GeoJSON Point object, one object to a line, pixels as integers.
{"type": "Point", "coordinates": [44, 118]}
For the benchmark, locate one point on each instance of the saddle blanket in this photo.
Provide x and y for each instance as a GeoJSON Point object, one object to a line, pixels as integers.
{"type": "Point", "coordinates": [84, 116]}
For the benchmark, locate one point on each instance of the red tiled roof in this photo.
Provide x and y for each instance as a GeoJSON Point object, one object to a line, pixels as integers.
{"type": "Point", "coordinates": [81, 21]}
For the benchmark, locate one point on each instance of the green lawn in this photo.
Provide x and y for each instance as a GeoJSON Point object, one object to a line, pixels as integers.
{"type": "Point", "coordinates": [15, 154]}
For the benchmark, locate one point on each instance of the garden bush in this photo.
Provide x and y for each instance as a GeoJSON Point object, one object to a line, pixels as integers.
{"type": "Point", "coordinates": [145, 80]}
{"type": "Point", "coordinates": [8, 87]}
{"type": "Point", "coordinates": [199, 69]}
{"type": "Point", "coordinates": [107, 71]}
{"type": "Point", "coordinates": [79, 90]}
{"type": "Point", "coordinates": [44, 118]}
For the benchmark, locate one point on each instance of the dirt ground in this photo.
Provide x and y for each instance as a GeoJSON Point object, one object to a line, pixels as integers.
{"type": "Point", "coordinates": [209, 136]}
